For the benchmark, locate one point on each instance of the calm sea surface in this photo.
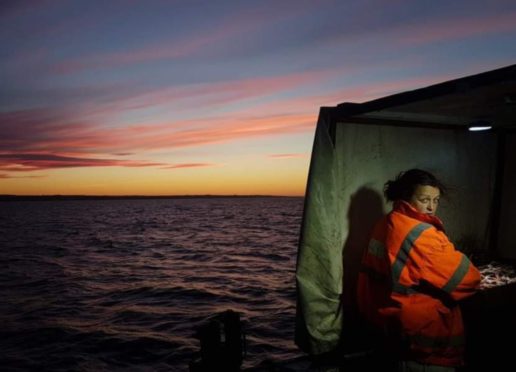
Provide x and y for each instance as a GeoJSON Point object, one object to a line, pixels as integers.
{"type": "Point", "coordinates": [103, 285]}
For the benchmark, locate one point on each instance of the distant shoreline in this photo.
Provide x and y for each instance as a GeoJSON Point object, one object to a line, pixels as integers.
{"type": "Point", "coordinates": [128, 197]}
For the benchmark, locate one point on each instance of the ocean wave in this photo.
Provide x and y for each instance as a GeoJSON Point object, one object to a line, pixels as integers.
{"type": "Point", "coordinates": [123, 284]}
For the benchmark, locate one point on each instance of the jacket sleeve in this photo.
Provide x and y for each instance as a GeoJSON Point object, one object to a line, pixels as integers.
{"type": "Point", "coordinates": [444, 267]}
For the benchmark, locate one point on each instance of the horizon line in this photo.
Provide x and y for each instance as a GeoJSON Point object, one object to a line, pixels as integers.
{"type": "Point", "coordinates": [4, 197]}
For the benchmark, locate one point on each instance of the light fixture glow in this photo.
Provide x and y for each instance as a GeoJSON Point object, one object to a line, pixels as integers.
{"type": "Point", "coordinates": [479, 128]}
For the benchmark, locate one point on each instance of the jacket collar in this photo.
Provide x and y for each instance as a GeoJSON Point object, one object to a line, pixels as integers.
{"type": "Point", "coordinates": [405, 208]}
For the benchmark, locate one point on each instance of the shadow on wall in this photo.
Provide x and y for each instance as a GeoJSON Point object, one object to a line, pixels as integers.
{"type": "Point", "coordinates": [365, 209]}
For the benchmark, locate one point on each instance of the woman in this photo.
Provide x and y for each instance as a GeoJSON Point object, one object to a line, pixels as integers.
{"type": "Point", "coordinates": [412, 277]}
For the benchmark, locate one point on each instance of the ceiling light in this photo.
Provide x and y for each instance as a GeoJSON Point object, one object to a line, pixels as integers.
{"type": "Point", "coordinates": [479, 125]}
{"type": "Point", "coordinates": [479, 128]}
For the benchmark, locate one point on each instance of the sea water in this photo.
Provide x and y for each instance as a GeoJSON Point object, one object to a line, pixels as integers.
{"type": "Point", "coordinates": [94, 285]}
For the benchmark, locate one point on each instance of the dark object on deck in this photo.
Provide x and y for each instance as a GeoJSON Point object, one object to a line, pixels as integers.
{"type": "Point", "coordinates": [490, 323]}
{"type": "Point", "coordinates": [222, 344]}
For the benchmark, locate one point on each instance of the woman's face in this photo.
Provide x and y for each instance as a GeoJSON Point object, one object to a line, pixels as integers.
{"type": "Point", "coordinates": [425, 199]}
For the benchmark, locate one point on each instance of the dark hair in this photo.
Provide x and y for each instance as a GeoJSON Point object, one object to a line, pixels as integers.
{"type": "Point", "coordinates": [403, 187]}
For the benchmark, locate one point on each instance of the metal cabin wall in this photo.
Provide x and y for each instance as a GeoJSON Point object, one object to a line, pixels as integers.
{"type": "Point", "coordinates": [372, 154]}
{"type": "Point", "coordinates": [507, 231]}
{"type": "Point", "coordinates": [465, 161]}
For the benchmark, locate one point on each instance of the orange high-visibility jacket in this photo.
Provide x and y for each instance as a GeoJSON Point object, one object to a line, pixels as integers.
{"type": "Point", "coordinates": [411, 277]}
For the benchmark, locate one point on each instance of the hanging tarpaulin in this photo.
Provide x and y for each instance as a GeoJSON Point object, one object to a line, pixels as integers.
{"type": "Point", "coordinates": [319, 265]}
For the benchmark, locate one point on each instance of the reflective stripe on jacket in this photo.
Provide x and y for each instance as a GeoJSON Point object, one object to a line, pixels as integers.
{"type": "Point", "coordinates": [410, 280]}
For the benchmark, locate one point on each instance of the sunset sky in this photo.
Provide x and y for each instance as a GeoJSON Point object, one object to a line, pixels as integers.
{"type": "Point", "coordinates": [212, 97]}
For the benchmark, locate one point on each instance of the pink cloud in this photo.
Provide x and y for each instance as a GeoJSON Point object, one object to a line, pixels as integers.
{"type": "Point", "coordinates": [190, 165]}
{"type": "Point", "coordinates": [28, 162]}
{"type": "Point", "coordinates": [287, 156]}
{"type": "Point", "coordinates": [47, 130]}
{"type": "Point", "coordinates": [372, 91]}
{"type": "Point", "coordinates": [222, 129]}
{"type": "Point", "coordinates": [144, 54]}
{"type": "Point", "coordinates": [449, 29]}
{"type": "Point", "coordinates": [218, 93]}
{"type": "Point", "coordinates": [357, 93]}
